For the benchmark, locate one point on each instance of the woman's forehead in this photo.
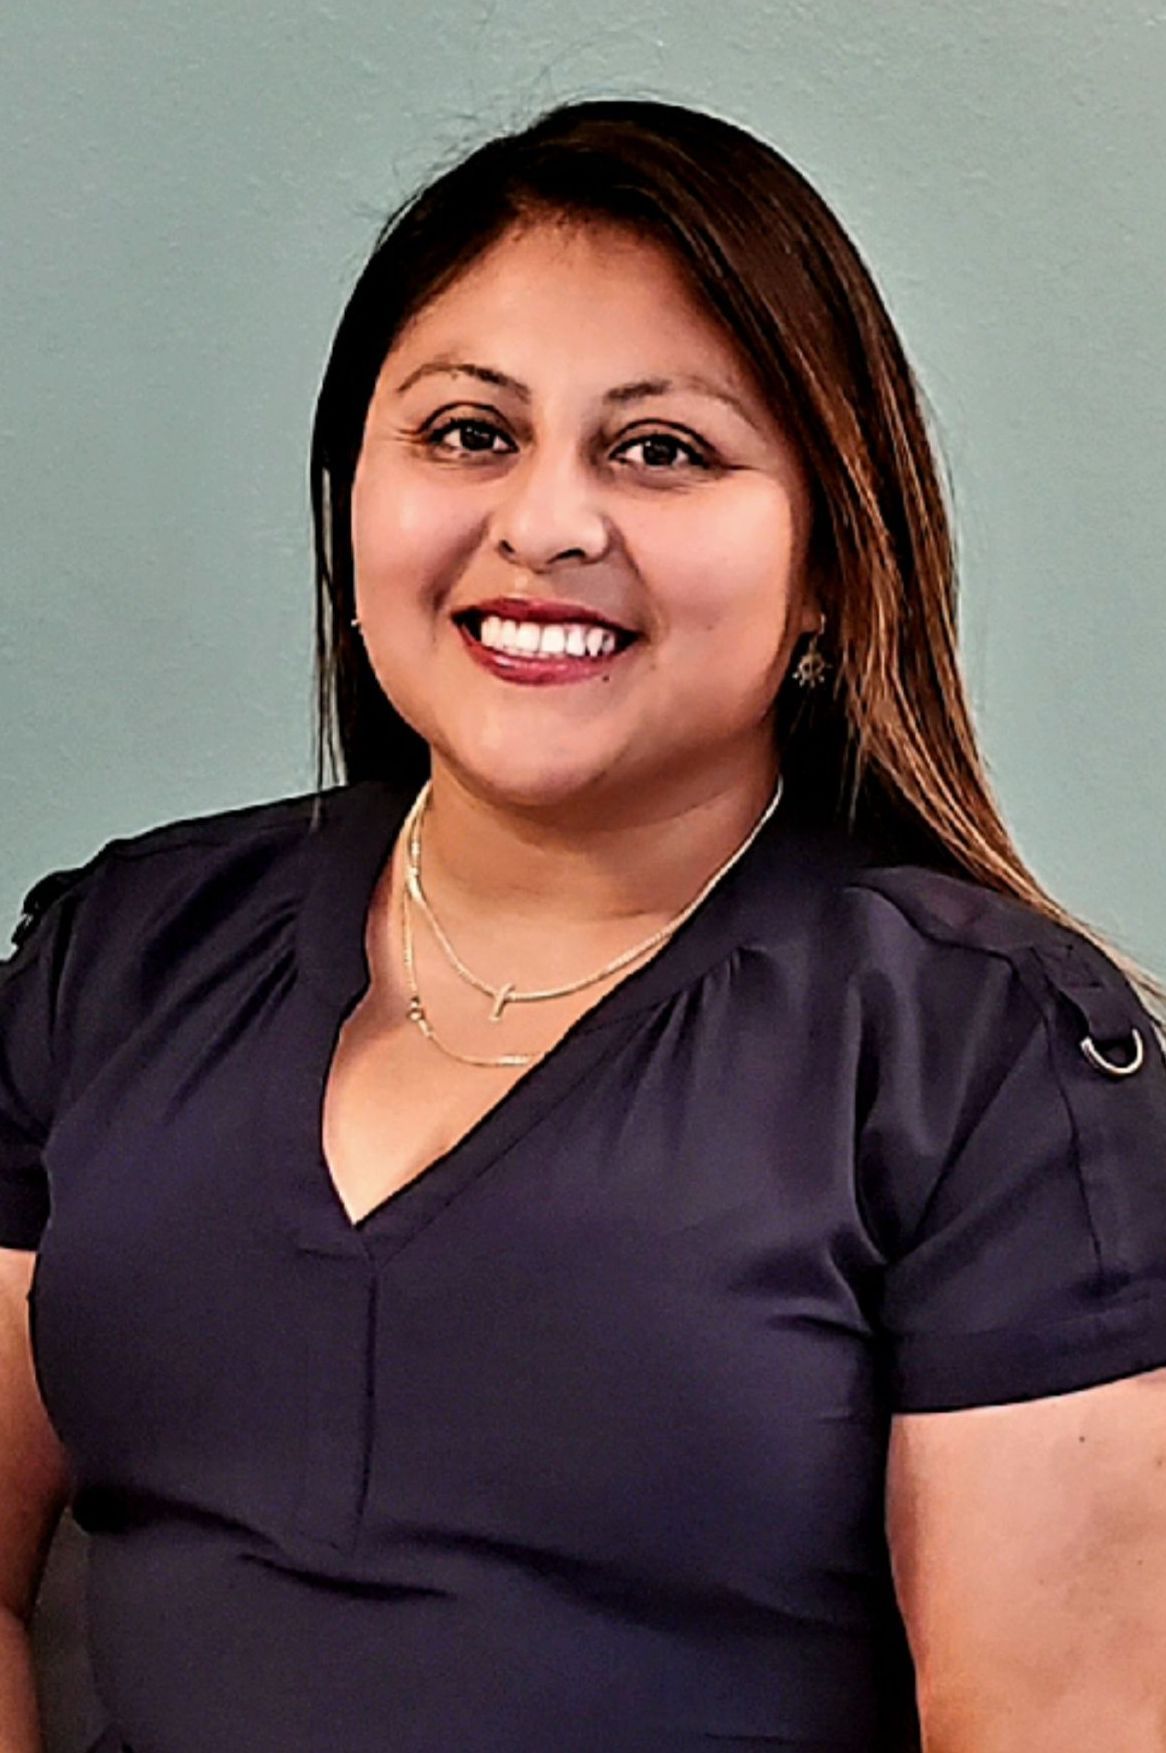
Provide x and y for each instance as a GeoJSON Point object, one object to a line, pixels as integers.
{"type": "Point", "coordinates": [544, 302]}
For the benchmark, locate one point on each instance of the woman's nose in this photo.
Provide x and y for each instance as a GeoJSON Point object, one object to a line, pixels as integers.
{"type": "Point", "coordinates": [549, 510]}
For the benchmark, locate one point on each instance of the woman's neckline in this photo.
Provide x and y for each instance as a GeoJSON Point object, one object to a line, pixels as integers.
{"type": "Point", "coordinates": [346, 851]}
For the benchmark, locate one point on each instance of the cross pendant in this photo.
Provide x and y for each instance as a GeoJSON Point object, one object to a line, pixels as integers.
{"type": "Point", "coordinates": [501, 999]}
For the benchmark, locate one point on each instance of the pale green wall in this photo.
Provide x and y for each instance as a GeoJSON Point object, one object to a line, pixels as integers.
{"type": "Point", "coordinates": [189, 186]}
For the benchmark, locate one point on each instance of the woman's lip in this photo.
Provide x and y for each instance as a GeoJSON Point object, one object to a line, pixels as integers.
{"type": "Point", "coordinates": [539, 609]}
{"type": "Point", "coordinates": [537, 671]}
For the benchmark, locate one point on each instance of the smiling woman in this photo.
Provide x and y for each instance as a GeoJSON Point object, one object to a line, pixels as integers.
{"type": "Point", "coordinates": [632, 1220]}
{"type": "Point", "coordinates": [585, 507]}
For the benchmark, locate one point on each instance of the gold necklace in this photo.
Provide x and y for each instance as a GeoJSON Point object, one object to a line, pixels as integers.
{"type": "Point", "coordinates": [416, 1009]}
{"type": "Point", "coordinates": [508, 993]}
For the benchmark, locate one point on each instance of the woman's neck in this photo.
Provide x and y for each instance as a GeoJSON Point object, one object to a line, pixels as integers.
{"type": "Point", "coordinates": [600, 861]}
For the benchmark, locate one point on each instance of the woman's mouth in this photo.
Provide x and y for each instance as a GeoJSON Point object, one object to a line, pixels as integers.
{"type": "Point", "coordinates": [542, 651]}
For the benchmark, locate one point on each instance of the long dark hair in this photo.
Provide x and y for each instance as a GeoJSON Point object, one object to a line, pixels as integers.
{"type": "Point", "coordinates": [889, 747]}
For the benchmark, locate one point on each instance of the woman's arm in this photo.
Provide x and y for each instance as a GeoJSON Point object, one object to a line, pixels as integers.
{"type": "Point", "coordinates": [33, 1491]}
{"type": "Point", "coordinates": [1028, 1543]}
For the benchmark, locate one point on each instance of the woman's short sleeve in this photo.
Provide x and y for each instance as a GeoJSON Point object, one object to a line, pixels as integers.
{"type": "Point", "coordinates": [1017, 1186]}
{"type": "Point", "coordinates": [30, 981]}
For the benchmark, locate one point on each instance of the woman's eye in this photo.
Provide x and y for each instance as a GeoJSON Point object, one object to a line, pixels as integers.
{"type": "Point", "coordinates": [669, 444]}
{"type": "Point", "coordinates": [481, 428]}
{"type": "Point", "coordinates": [660, 449]}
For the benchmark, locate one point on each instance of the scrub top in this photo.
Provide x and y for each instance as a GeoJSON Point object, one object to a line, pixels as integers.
{"type": "Point", "coordinates": [578, 1440]}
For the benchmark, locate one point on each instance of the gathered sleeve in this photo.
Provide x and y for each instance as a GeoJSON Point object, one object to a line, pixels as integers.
{"type": "Point", "coordinates": [31, 981]}
{"type": "Point", "coordinates": [1016, 1186]}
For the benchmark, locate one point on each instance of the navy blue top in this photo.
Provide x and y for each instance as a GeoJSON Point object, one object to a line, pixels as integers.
{"type": "Point", "coordinates": [577, 1440]}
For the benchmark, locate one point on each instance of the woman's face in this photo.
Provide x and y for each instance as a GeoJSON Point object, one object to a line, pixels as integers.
{"type": "Point", "coordinates": [564, 453]}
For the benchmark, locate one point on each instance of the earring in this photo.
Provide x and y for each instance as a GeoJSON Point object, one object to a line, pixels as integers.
{"type": "Point", "coordinates": [355, 622]}
{"type": "Point", "coordinates": [811, 667]}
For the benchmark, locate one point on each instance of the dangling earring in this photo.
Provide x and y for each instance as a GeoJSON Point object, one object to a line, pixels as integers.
{"type": "Point", "coordinates": [811, 667]}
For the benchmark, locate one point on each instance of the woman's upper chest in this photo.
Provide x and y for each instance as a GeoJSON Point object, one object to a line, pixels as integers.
{"type": "Point", "coordinates": [392, 1106]}
{"type": "Point", "coordinates": [394, 1101]}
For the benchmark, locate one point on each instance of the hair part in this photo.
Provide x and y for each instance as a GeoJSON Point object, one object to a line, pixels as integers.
{"type": "Point", "coordinates": [889, 748]}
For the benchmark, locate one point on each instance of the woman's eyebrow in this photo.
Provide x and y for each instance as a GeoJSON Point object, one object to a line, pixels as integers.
{"type": "Point", "coordinates": [636, 391]}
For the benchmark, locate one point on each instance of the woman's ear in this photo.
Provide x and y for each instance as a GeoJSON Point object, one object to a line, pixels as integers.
{"type": "Point", "coordinates": [815, 578]}
{"type": "Point", "coordinates": [811, 617]}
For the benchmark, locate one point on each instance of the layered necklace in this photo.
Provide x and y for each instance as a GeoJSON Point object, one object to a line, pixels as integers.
{"type": "Point", "coordinates": [506, 994]}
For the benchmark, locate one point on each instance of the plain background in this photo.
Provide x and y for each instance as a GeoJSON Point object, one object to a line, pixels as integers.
{"type": "Point", "coordinates": [189, 191]}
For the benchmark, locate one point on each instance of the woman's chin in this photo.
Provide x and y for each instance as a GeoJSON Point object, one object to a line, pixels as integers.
{"type": "Point", "coordinates": [526, 780]}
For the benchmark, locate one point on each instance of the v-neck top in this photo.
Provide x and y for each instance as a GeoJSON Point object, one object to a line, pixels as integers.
{"type": "Point", "coordinates": [578, 1439]}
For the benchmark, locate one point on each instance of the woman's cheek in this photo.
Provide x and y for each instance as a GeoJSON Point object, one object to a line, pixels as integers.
{"type": "Point", "coordinates": [728, 560]}
{"type": "Point", "coordinates": [405, 531]}
{"type": "Point", "coordinates": [739, 603]}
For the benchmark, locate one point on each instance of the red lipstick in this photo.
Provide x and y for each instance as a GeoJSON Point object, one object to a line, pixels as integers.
{"type": "Point", "coordinates": [543, 609]}
{"type": "Point", "coordinates": [539, 669]}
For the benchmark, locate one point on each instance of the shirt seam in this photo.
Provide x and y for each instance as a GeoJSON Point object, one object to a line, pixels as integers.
{"type": "Point", "coordinates": [947, 936]}
{"type": "Point", "coordinates": [129, 847]}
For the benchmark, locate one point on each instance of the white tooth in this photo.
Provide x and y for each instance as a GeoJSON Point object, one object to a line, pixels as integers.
{"type": "Point", "coordinates": [491, 633]}
{"type": "Point", "coordinates": [594, 641]}
{"type": "Point", "coordinates": [553, 642]}
{"type": "Point", "coordinates": [576, 641]}
{"type": "Point", "coordinates": [509, 636]}
{"type": "Point", "coordinates": [608, 645]}
{"type": "Point", "coordinates": [528, 636]}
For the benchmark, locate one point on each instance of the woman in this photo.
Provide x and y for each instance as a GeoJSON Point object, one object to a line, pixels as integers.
{"type": "Point", "coordinates": [633, 1221]}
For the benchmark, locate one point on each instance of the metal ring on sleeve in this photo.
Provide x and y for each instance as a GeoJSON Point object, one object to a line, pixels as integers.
{"type": "Point", "coordinates": [1102, 1064]}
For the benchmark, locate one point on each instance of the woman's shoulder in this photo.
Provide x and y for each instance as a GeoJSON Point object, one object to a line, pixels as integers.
{"type": "Point", "coordinates": [956, 946]}
{"type": "Point", "coordinates": [183, 853]}
{"type": "Point", "coordinates": [918, 917]}
{"type": "Point", "coordinates": [943, 908]}
{"type": "Point", "coordinates": [868, 910]}
{"type": "Point", "coordinates": [171, 915]}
